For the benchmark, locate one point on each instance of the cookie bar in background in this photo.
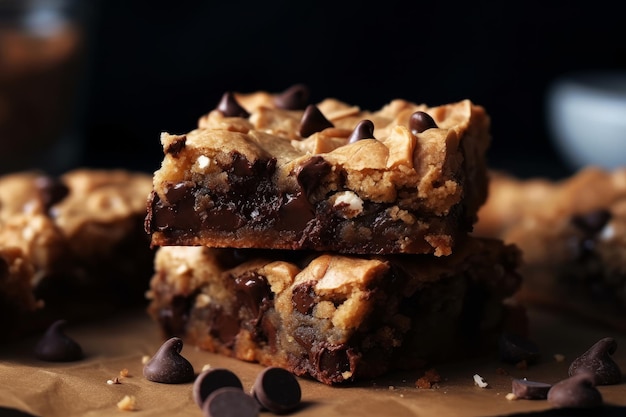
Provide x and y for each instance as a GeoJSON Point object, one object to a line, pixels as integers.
{"type": "Point", "coordinates": [261, 172]}
{"type": "Point", "coordinates": [72, 244]}
{"type": "Point", "coordinates": [572, 234]}
{"type": "Point", "coordinates": [336, 318]}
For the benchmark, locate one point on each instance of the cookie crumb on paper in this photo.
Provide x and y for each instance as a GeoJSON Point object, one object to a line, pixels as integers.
{"type": "Point", "coordinates": [128, 403]}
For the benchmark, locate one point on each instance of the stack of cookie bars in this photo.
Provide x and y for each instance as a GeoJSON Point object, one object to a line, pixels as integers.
{"type": "Point", "coordinates": [328, 240]}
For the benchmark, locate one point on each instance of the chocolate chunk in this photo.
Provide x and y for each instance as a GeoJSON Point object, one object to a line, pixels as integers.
{"type": "Point", "coordinates": [592, 223]}
{"type": "Point", "coordinates": [303, 298]}
{"type": "Point", "coordinates": [277, 390]}
{"type": "Point", "coordinates": [331, 362]}
{"type": "Point", "coordinates": [313, 121]}
{"type": "Point", "coordinates": [230, 402]}
{"type": "Point", "coordinates": [211, 380]}
{"type": "Point", "coordinates": [295, 97]}
{"type": "Point", "coordinates": [51, 190]}
{"type": "Point", "coordinates": [598, 362]}
{"type": "Point", "coordinates": [176, 146]}
{"type": "Point", "coordinates": [223, 326]}
{"type": "Point", "coordinates": [230, 107]}
{"type": "Point", "coordinates": [55, 346]}
{"type": "Point", "coordinates": [295, 212]}
{"type": "Point", "coordinates": [311, 174]}
{"type": "Point", "coordinates": [363, 130]}
{"type": "Point", "coordinates": [167, 366]}
{"type": "Point", "coordinates": [421, 121]}
{"type": "Point", "coordinates": [514, 349]}
{"type": "Point", "coordinates": [577, 391]}
{"type": "Point", "coordinates": [253, 292]}
{"type": "Point", "coordinates": [530, 390]}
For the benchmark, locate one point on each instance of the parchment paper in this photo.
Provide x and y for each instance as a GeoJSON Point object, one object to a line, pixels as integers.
{"type": "Point", "coordinates": [80, 389]}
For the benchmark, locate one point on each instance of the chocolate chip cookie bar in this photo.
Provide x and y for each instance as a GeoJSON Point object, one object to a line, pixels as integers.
{"type": "Point", "coordinates": [72, 241]}
{"type": "Point", "coordinates": [265, 171]}
{"type": "Point", "coordinates": [336, 318]}
{"type": "Point", "coordinates": [572, 233]}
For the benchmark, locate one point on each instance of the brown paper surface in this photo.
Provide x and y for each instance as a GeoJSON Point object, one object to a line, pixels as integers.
{"type": "Point", "coordinates": [80, 388]}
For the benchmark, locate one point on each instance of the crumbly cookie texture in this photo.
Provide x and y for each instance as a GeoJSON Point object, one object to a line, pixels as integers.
{"type": "Point", "coordinates": [70, 240]}
{"type": "Point", "coordinates": [337, 318]}
{"type": "Point", "coordinates": [406, 178]}
{"type": "Point", "coordinates": [572, 233]}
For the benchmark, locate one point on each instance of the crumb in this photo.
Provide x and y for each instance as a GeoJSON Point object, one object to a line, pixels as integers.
{"type": "Point", "coordinates": [431, 377]}
{"type": "Point", "coordinates": [113, 381]}
{"type": "Point", "coordinates": [128, 403]}
{"type": "Point", "coordinates": [559, 357]}
{"type": "Point", "coordinates": [511, 397]}
{"type": "Point", "coordinates": [423, 383]}
{"type": "Point", "coordinates": [206, 367]}
{"type": "Point", "coordinates": [391, 388]}
{"type": "Point", "coordinates": [145, 359]}
{"type": "Point", "coordinates": [522, 365]}
{"type": "Point", "coordinates": [480, 381]}
{"type": "Point", "coordinates": [124, 373]}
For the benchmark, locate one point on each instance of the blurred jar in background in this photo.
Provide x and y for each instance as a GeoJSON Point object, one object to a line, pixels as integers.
{"type": "Point", "coordinates": [41, 61]}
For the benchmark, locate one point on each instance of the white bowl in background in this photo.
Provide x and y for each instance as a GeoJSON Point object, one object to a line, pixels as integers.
{"type": "Point", "coordinates": [586, 116]}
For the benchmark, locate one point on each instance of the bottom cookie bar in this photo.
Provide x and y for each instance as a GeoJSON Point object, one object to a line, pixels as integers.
{"type": "Point", "coordinates": [335, 318]}
{"type": "Point", "coordinates": [572, 234]}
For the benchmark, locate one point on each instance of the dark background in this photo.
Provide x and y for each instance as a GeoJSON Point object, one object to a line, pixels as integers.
{"type": "Point", "coordinates": [157, 66]}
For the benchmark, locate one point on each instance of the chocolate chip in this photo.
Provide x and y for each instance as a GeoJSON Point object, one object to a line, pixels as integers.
{"type": "Point", "coordinates": [55, 346]}
{"type": "Point", "coordinates": [211, 380]}
{"type": "Point", "coordinates": [591, 223]}
{"type": "Point", "coordinates": [230, 402]}
{"type": "Point", "coordinates": [176, 146]}
{"type": "Point", "coordinates": [421, 121]}
{"type": "Point", "coordinates": [295, 97]}
{"type": "Point", "coordinates": [223, 326]}
{"type": "Point", "coordinates": [51, 190]}
{"type": "Point", "coordinates": [577, 391]}
{"type": "Point", "coordinates": [530, 390]}
{"type": "Point", "coordinates": [514, 349]}
{"type": "Point", "coordinates": [332, 362]}
{"type": "Point", "coordinates": [230, 107]}
{"type": "Point", "coordinates": [277, 390]}
{"type": "Point", "coordinates": [303, 298]}
{"type": "Point", "coordinates": [253, 291]}
{"type": "Point", "coordinates": [167, 366]}
{"type": "Point", "coordinates": [311, 173]}
{"type": "Point", "coordinates": [313, 121]}
{"type": "Point", "coordinates": [598, 362]}
{"type": "Point", "coordinates": [179, 191]}
{"type": "Point", "coordinates": [363, 130]}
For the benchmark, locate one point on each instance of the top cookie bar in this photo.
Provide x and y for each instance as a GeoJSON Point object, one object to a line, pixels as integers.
{"type": "Point", "coordinates": [265, 171]}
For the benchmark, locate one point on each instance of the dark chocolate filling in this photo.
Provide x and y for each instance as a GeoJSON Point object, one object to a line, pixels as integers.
{"type": "Point", "coordinates": [253, 201]}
